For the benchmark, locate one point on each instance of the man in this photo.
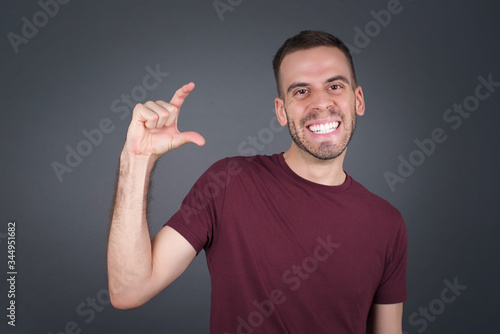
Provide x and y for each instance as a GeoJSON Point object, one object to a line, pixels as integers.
{"type": "Point", "coordinates": [293, 243]}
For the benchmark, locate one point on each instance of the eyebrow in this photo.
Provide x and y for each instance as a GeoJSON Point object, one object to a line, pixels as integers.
{"type": "Point", "coordinates": [339, 77]}
{"type": "Point", "coordinates": [305, 84]}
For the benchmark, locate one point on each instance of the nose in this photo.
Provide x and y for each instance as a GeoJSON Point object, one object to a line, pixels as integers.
{"type": "Point", "coordinates": [321, 101]}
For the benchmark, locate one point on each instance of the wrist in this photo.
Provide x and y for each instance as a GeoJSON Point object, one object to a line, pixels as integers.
{"type": "Point", "coordinates": [135, 163]}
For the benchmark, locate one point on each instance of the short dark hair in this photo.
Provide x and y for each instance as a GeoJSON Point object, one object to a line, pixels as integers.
{"type": "Point", "coordinates": [304, 40]}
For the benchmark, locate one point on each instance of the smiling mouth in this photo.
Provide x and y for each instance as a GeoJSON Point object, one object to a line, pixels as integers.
{"type": "Point", "coordinates": [323, 128]}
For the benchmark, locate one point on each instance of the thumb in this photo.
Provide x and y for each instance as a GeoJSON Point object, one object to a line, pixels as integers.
{"type": "Point", "coordinates": [191, 137]}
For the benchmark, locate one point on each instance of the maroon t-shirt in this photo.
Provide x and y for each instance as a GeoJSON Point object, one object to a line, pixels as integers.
{"type": "Point", "coordinates": [287, 255]}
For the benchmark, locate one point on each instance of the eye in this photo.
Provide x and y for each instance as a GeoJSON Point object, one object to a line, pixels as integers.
{"type": "Point", "coordinates": [301, 92]}
{"type": "Point", "coordinates": [335, 87]}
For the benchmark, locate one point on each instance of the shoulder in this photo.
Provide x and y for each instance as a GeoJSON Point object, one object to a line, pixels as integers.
{"type": "Point", "coordinates": [385, 220]}
{"type": "Point", "coordinates": [244, 164]}
{"type": "Point", "coordinates": [245, 169]}
{"type": "Point", "coordinates": [374, 203]}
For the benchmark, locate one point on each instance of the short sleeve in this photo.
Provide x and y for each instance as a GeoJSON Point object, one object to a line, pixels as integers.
{"type": "Point", "coordinates": [197, 217]}
{"type": "Point", "coordinates": [392, 287]}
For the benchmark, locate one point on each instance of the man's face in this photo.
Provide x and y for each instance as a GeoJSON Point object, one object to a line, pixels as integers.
{"type": "Point", "coordinates": [318, 102]}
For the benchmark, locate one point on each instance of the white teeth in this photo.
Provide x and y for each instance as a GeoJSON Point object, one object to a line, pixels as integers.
{"type": "Point", "coordinates": [324, 128]}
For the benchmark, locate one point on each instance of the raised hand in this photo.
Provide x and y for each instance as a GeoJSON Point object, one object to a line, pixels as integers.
{"type": "Point", "coordinates": [153, 129]}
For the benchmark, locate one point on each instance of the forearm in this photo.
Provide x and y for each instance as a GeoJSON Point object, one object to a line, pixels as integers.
{"type": "Point", "coordinates": [132, 276]}
{"type": "Point", "coordinates": [129, 245]}
{"type": "Point", "coordinates": [385, 319]}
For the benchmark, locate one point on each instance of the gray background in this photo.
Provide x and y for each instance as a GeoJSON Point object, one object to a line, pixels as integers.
{"type": "Point", "coordinates": [64, 80]}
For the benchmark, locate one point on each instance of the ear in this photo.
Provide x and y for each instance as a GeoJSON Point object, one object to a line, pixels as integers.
{"type": "Point", "coordinates": [360, 101]}
{"type": "Point", "coordinates": [279, 106]}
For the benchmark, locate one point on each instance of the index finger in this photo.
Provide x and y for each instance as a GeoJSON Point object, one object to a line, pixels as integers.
{"type": "Point", "coordinates": [181, 94]}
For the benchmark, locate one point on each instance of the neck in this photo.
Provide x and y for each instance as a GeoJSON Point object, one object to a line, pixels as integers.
{"type": "Point", "coordinates": [325, 172]}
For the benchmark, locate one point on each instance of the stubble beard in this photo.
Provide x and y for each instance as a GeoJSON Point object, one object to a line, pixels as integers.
{"type": "Point", "coordinates": [326, 150]}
